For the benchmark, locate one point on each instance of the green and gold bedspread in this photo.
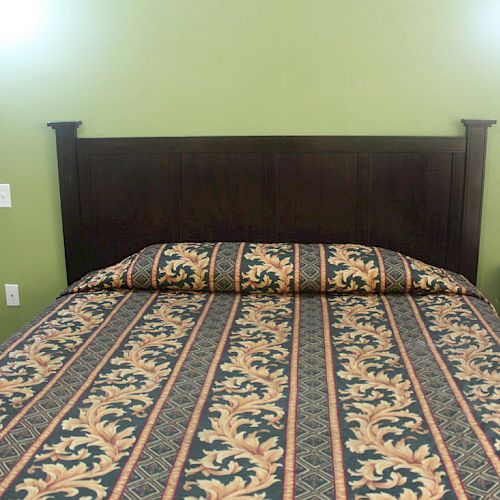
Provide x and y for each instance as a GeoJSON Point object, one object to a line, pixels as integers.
{"type": "Point", "coordinates": [240, 370]}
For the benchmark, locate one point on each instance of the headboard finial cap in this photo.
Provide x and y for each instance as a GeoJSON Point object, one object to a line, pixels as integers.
{"type": "Point", "coordinates": [477, 123]}
{"type": "Point", "coordinates": [57, 125]}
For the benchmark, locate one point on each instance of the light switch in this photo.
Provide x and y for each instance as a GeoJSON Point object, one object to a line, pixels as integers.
{"type": "Point", "coordinates": [12, 295]}
{"type": "Point", "coordinates": [5, 201]}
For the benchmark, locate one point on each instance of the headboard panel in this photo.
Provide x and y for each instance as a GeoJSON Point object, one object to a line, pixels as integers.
{"type": "Point", "coordinates": [418, 195]}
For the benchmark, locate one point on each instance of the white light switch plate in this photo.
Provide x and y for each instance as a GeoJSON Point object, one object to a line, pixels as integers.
{"type": "Point", "coordinates": [12, 295]}
{"type": "Point", "coordinates": [5, 201]}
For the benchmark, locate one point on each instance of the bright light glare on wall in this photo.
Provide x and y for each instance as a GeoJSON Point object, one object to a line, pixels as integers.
{"type": "Point", "coordinates": [18, 19]}
{"type": "Point", "coordinates": [487, 23]}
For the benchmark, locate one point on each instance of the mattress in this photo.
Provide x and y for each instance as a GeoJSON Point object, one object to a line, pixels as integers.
{"type": "Point", "coordinates": [245, 370]}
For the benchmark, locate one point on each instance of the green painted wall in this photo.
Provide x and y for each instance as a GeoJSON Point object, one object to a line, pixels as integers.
{"type": "Point", "coordinates": [192, 67]}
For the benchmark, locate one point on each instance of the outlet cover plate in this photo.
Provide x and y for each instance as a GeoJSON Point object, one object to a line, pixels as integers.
{"type": "Point", "coordinates": [5, 199]}
{"type": "Point", "coordinates": [12, 295]}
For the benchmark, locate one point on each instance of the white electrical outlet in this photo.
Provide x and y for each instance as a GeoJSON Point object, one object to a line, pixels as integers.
{"type": "Point", "coordinates": [5, 199]}
{"type": "Point", "coordinates": [12, 295]}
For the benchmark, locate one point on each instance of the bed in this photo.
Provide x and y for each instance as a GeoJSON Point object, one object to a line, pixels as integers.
{"type": "Point", "coordinates": [235, 355]}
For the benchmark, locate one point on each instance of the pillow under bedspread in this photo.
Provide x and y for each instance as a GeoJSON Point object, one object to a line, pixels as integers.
{"type": "Point", "coordinates": [274, 268]}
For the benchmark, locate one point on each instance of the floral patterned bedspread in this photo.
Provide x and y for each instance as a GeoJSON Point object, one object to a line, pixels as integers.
{"type": "Point", "coordinates": [240, 370]}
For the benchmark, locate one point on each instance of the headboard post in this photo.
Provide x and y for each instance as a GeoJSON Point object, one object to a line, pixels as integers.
{"type": "Point", "coordinates": [66, 134]}
{"type": "Point", "coordinates": [475, 156]}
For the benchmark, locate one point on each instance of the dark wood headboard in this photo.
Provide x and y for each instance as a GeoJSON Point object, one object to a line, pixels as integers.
{"type": "Point", "coordinates": [418, 195]}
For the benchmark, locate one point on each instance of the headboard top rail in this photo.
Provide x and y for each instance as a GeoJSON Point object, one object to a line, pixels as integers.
{"type": "Point", "coordinates": [276, 144]}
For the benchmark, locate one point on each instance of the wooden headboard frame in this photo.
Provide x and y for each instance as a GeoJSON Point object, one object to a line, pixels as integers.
{"type": "Point", "coordinates": [419, 195]}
